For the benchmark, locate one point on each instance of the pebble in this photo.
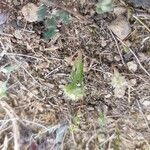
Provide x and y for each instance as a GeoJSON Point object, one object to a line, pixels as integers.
{"type": "Point", "coordinates": [108, 96]}
{"type": "Point", "coordinates": [117, 58]}
{"type": "Point", "coordinates": [148, 117]}
{"type": "Point", "coordinates": [132, 66]}
{"type": "Point", "coordinates": [133, 82]}
{"type": "Point", "coordinates": [18, 34]}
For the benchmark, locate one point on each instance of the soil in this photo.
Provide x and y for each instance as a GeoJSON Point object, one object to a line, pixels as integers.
{"type": "Point", "coordinates": [35, 94]}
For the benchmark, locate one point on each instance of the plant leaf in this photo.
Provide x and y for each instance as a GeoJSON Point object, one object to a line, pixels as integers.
{"type": "Point", "coordinates": [104, 6]}
{"type": "Point", "coordinates": [49, 33]}
{"type": "Point", "coordinates": [50, 22]}
{"type": "Point", "coordinates": [101, 120]}
{"type": "Point", "coordinates": [41, 12]}
{"type": "Point", "coordinates": [118, 80]}
{"type": "Point", "coordinates": [7, 69]}
{"type": "Point", "coordinates": [74, 92]}
{"type": "Point", "coordinates": [75, 89]}
{"type": "Point", "coordinates": [3, 89]}
{"type": "Point", "coordinates": [63, 16]}
{"type": "Point", "coordinates": [119, 83]}
{"type": "Point", "coordinates": [51, 29]}
{"type": "Point", "coordinates": [76, 76]}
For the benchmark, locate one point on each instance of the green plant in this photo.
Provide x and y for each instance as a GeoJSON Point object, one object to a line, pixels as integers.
{"type": "Point", "coordinates": [119, 83]}
{"type": "Point", "coordinates": [101, 120]}
{"type": "Point", "coordinates": [104, 6]}
{"type": "Point", "coordinates": [75, 89]}
{"type": "Point", "coordinates": [117, 140]}
{"type": "Point", "coordinates": [52, 20]}
{"type": "Point", "coordinates": [3, 89]}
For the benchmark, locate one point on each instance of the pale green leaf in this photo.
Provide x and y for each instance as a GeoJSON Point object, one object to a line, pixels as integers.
{"type": "Point", "coordinates": [49, 33]}
{"type": "Point", "coordinates": [75, 89]}
{"type": "Point", "coordinates": [77, 71]}
{"type": "Point", "coordinates": [63, 16]}
{"type": "Point", "coordinates": [50, 22]}
{"type": "Point", "coordinates": [3, 89]}
{"type": "Point", "coordinates": [118, 80]}
{"type": "Point", "coordinates": [104, 6]}
{"type": "Point", "coordinates": [119, 83]}
{"type": "Point", "coordinates": [8, 69]}
{"type": "Point", "coordinates": [101, 120]}
{"type": "Point", "coordinates": [51, 28]}
{"type": "Point", "coordinates": [41, 12]}
{"type": "Point", "coordinates": [74, 92]}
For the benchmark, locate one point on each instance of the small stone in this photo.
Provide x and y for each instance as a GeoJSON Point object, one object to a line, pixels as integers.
{"type": "Point", "coordinates": [120, 27]}
{"type": "Point", "coordinates": [90, 108]}
{"type": "Point", "coordinates": [133, 82]}
{"type": "Point", "coordinates": [148, 117]}
{"type": "Point", "coordinates": [117, 58]}
{"type": "Point", "coordinates": [103, 42]}
{"type": "Point", "coordinates": [108, 96]}
{"type": "Point", "coordinates": [18, 34]}
{"type": "Point", "coordinates": [132, 66]}
{"type": "Point", "coordinates": [60, 93]}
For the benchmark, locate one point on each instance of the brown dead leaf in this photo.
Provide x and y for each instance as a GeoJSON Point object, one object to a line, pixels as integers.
{"type": "Point", "coordinates": [120, 27]}
{"type": "Point", "coordinates": [29, 12]}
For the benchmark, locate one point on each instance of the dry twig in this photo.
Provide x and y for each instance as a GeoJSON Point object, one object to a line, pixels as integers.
{"type": "Point", "coordinates": [14, 118]}
{"type": "Point", "coordinates": [137, 59]}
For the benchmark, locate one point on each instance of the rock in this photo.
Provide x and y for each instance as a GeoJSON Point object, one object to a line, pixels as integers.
{"type": "Point", "coordinates": [120, 27]}
{"type": "Point", "coordinates": [117, 58]}
{"type": "Point", "coordinates": [132, 66]}
{"type": "Point", "coordinates": [103, 42]}
{"type": "Point", "coordinates": [140, 3]}
{"type": "Point", "coordinates": [18, 34]}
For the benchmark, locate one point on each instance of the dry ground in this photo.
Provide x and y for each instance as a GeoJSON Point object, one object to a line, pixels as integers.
{"type": "Point", "coordinates": [36, 110]}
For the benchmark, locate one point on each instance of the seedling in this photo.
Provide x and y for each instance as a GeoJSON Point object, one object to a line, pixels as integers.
{"type": "Point", "coordinates": [52, 20]}
{"type": "Point", "coordinates": [101, 120]}
{"type": "Point", "coordinates": [33, 13]}
{"type": "Point", "coordinates": [75, 89]}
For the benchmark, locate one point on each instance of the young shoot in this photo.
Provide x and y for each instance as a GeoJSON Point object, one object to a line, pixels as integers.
{"type": "Point", "coordinates": [75, 89]}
